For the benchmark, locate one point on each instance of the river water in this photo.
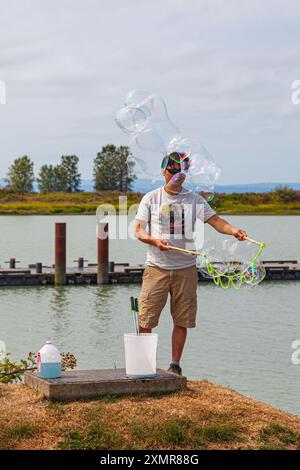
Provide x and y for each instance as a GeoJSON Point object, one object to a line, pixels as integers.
{"type": "Point", "coordinates": [243, 339]}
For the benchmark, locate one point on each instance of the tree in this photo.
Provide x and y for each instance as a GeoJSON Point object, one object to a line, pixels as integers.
{"type": "Point", "coordinates": [47, 179]}
{"type": "Point", "coordinates": [20, 176]}
{"type": "Point", "coordinates": [60, 178]}
{"type": "Point", "coordinates": [67, 173]}
{"type": "Point", "coordinates": [111, 171]}
{"type": "Point", "coordinates": [285, 193]}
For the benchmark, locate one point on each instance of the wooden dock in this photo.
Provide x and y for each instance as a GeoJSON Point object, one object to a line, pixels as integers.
{"type": "Point", "coordinates": [121, 273]}
{"type": "Point", "coordinates": [105, 271]}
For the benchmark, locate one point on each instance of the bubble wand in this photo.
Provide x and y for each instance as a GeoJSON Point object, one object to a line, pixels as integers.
{"type": "Point", "coordinates": [134, 306]}
{"type": "Point", "coordinates": [232, 278]}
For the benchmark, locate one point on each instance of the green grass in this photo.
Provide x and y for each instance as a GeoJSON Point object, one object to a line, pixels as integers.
{"type": "Point", "coordinates": [226, 433]}
{"type": "Point", "coordinates": [278, 435]}
{"type": "Point", "coordinates": [9, 438]}
{"type": "Point", "coordinates": [109, 399]}
{"type": "Point", "coordinates": [22, 431]}
{"type": "Point", "coordinates": [272, 447]}
{"type": "Point", "coordinates": [281, 202]}
{"type": "Point", "coordinates": [99, 436]}
{"type": "Point", "coordinates": [182, 432]}
{"type": "Point", "coordinates": [100, 433]}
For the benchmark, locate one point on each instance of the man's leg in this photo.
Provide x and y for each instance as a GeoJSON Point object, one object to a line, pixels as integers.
{"type": "Point", "coordinates": [154, 294]}
{"type": "Point", "coordinates": [178, 342]}
{"type": "Point", "coordinates": [183, 309]}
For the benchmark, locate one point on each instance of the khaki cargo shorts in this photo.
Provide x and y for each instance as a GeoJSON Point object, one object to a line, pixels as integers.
{"type": "Point", "coordinates": [157, 284]}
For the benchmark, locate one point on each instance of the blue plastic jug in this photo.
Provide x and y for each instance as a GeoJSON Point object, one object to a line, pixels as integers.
{"type": "Point", "coordinates": [49, 362]}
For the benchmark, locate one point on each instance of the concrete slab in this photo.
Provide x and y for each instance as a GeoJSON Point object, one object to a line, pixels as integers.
{"type": "Point", "coordinates": [82, 384]}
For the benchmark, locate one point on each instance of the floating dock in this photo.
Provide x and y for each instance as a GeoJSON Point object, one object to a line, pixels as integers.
{"type": "Point", "coordinates": [105, 271]}
{"type": "Point", "coordinates": [122, 274]}
{"type": "Point", "coordinates": [87, 384]}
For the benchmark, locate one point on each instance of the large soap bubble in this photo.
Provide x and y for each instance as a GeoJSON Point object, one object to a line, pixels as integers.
{"type": "Point", "coordinates": [233, 264]}
{"type": "Point", "coordinates": [203, 171]}
{"type": "Point", "coordinates": [154, 136]}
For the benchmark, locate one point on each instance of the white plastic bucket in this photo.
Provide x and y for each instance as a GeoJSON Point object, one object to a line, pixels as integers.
{"type": "Point", "coordinates": [140, 354]}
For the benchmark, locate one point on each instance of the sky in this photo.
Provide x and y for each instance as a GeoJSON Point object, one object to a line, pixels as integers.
{"type": "Point", "coordinates": [224, 67]}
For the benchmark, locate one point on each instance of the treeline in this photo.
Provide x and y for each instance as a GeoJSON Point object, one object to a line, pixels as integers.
{"type": "Point", "coordinates": [282, 194]}
{"type": "Point", "coordinates": [282, 201]}
{"type": "Point", "coordinates": [110, 172]}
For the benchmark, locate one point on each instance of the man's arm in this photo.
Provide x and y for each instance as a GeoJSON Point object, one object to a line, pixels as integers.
{"type": "Point", "coordinates": [142, 235]}
{"type": "Point", "coordinates": [222, 226]}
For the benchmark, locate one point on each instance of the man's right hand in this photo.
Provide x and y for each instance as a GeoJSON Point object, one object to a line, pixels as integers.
{"type": "Point", "coordinates": [162, 245]}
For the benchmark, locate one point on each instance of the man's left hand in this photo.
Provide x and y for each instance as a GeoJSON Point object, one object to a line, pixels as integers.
{"type": "Point", "coordinates": [239, 234]}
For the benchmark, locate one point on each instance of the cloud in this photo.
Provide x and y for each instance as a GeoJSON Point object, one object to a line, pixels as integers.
{"type": "Point", "coordinates": [224, 68]}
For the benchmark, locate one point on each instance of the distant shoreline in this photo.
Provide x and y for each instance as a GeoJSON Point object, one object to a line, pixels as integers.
{"type": "Point", "coordinates": [86, 203]}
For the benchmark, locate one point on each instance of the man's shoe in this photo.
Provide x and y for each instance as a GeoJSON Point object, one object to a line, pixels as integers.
{"type": "Point", "coordinates": [175, 369]}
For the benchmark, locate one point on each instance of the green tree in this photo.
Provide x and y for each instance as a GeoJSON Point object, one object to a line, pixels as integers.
{"type": "Point", "coordinates": [47, 179]}
{"type": "Point", "coordinates": [20, 176]}
{"type": "Point", "coordinates": [285, 193]}
{"type": "Point", "coordinates": [111, 171]}
{"type": "Point", "coordinates": [60, 178]}
{"type": "Point", "coordinates": [69, 179]}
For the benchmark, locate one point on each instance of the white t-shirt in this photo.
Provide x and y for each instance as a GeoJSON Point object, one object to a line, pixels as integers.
{"type": "Point", "coordinates": [173, 218]}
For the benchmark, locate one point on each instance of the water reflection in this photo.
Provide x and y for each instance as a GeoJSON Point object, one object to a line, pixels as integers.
{"type": "Point", "coordinates": [59, 300]}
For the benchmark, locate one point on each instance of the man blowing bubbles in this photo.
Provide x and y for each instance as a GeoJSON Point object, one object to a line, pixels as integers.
{"type": "Point", "coordinates": [164, 213]}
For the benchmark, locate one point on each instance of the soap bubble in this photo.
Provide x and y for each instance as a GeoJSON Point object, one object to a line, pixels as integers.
{"type": "Point", "coordinates": [203, 172]}
{"type": "Point", "coordinates": [209, 197]}
{"type": "Point", "coordinates": [144, 161]}
{"type": "Point", "coordinates": [147, 140]}
{"type": "Point", "coordinates": [233, 263]}
{"type": "Point", "coordinates": [216, 259]}
{"type": "Point", "coordinates": [239, 251]}
{"type": "Point", "coordinates": [255, 274]}
{"type": "Point", "coordinates": [145, 117]}
{"type": "Point", "coordinates": [139, 98]}
{"type": "Point", "coordinates": [131, 120]}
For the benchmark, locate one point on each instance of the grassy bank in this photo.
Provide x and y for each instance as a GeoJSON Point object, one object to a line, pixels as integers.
{"type": "Point", "coordinates": [61, 203]}
{"type": "Point", "coordinates": [205, 416]}
{"type": "Point", "coordinates": [275, 203]}
{"type": "Point", "coordinates": [281, 202]}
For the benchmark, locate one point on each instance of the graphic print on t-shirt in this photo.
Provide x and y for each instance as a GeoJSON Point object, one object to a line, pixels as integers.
{"type": "Point", "coordinates": [172, 219]}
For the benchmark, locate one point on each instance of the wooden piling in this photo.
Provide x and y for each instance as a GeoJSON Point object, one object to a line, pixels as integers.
{"type": "Point", "coordinates": [60, 254]}
{"type": "Point", "coordinates": [102, 253]}
{"type": "Point", "coordinates": [39, 268]}
{"type": "Point", "coordinates": [12, 263]}
{"type": "Point", "coordinates": [111, 266]}
{"type": "Point", "coordinates": [80, 262]}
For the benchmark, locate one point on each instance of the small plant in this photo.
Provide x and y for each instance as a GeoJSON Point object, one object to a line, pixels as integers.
{"type": "Point", "coordinates": [280, 433]}
{"type": "Point", "coordinates": [11, 371]}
